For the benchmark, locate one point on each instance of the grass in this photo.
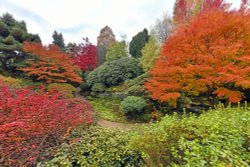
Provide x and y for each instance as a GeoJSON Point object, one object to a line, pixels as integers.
{"type": "Point", "coordinates": [108, 109]}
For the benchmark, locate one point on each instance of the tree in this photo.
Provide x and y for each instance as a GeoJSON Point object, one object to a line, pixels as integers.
{"type": "Point", "coordinates": [105, 40]}
{"type": "Point", "coordinates": [85, 56]}
{"type": "Point", "coordinates": [180, 11]}
{"type": "Point", "coordinates": [116, 51]}
{"type": "Point", "coordinates": [138, 42]}
{"type": "Point", "coordinates": [12, 35]}
{"type": "Point", "coordinates": [58, 39]}
{"type": "Point", "coordinates": [50, 64]}
{"type": "Point", "coordinates": [69, 48]}
{"type": "Point", "coordinates": [150, 52]}
{"type": "Point", "coordinates": [33, 121]}
{"type": "Point", "coordinates": [185, 10]}
{"type": "Point", "coordinates": [162, 29]}
{"type": "Point", "coordinates": [209, 56]}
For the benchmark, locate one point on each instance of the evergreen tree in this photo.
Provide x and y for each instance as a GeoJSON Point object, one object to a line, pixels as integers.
{"type": "Point", "coordinates": [150, 52]}
{"type": "Point", "coordinates": [116, 51]}
{"type": "Point", "coordinates": [12, 35]}
{"type": "Point", "coordinates": [58, 39]}
{"type": "Point", "coordinates": [138, 42]}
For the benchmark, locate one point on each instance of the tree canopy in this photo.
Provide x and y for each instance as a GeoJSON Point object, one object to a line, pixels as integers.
{"type": "Point", "coordinates": [58, 39]}
{"type": "Point", "coordinates": [105, 40]}
{"type": "Point", "coordinates": [150, 52]}
{"type": "Point", "coordinates": [138, 42]}
{"type": "Point", "coordinates": [185, 10]}
{"type": "Point", "coordinates": [162, 29]}
{"type": "Point", "coordinates": [12, 34]}
{"type": "Point", "coordinates": [209, 56]}
{"type": "Point", "coordinates": [116, 51]}
{"type": "Point", "coordinates": [50, 64]}
{"type": "Point", "coordinates": [85, 56]}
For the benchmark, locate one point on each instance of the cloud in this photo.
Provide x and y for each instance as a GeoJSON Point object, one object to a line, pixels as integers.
{"type": "Point", "coordinates": [22, 11]}
{"type": "Point", "coordinates": [84, 18]}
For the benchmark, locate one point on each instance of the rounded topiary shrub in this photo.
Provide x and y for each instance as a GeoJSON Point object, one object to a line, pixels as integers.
{"type": "Point", "coordinates": [133, 105]}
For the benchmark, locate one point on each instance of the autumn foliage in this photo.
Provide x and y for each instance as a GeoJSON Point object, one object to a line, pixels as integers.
{"type": "Point", "coordinates": [85, 56]}
{"type": "Point", "coordinates": [185, 10]}
{"type": "Point", "coordinates": [32, 121]}
{"type": "Point", "coordinates": [211, 55]}
{"type": "Point", "coordinates": [50, 64]}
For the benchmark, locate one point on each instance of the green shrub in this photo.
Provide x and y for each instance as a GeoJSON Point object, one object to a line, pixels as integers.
{"type": "Point", "coordinates": [96, 147]}
{"type": "Point", "coordinates": [98, 87]}
{"type": "Point", "coordinates": [65, 89]}
{"type": "Point", "coordinates": [144, 117]}
{"type": "Point", "coordinates": [216, 138]}
{"type": "Point", "coordinates": [114, 72]}
{"type": "Point", "coordinates": [133, 105]}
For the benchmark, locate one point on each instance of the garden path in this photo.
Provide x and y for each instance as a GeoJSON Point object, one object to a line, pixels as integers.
{"type": "Point", "coordinates": [108, 124]}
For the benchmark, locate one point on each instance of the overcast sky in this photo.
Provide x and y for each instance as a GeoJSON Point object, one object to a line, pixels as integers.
{"type": "Point", "coordinates": [84, 18]}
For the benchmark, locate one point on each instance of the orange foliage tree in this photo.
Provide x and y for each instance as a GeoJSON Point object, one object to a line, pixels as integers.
{"type": "Point", "coordinates": [211, 55]}
{"type": "Point", "coordinates": [50, 65]}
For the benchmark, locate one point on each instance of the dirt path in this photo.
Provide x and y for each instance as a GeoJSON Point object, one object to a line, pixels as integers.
{"type": "Point", "coordinates": [109, 124]}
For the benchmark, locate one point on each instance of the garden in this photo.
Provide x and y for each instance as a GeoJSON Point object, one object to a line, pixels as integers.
{"type": "Point", "coordinates": [175, 95]}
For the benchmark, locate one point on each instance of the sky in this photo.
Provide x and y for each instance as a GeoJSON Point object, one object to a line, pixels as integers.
{"type": "Point", "coordinates": [76, 19]}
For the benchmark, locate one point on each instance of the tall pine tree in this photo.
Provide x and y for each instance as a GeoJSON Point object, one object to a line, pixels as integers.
{"type": "Point", "coordinates": [58, 39]}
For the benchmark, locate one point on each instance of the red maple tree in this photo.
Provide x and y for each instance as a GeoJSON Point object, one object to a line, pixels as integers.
{"type": "Point", "coordinates": [50, 64]}
{"type": "Point", "coordinates": [32, 121]}
{"type": "Point", "coordinates": [211, 55]}
{"type": "Point", "coordinates": [85, 56]}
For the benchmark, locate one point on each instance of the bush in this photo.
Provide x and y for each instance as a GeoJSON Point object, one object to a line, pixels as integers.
{"type": "Point", "coordinates": [96, 147]}
{"type": "Point", "coordinates": [216, 138]}
{"type": "Point", "coordinates": [145, 117]}
{"type": "Point", "coordinates": [156, 115]}
{"type": "Point", "coordinates": [133, 105]}
{"type": "Point", "coordinates": [66, 90]}
{"type": "Point", "coordinates": [132, 87]}
{"type": "Point", "coordinates": [32, 121]}
{"type": "Point", "coordinates": [12, 82]}
{"type": "Point", "coordinates": [98, 87]}
{"type": "Point", "coordinates": [114, 72]}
